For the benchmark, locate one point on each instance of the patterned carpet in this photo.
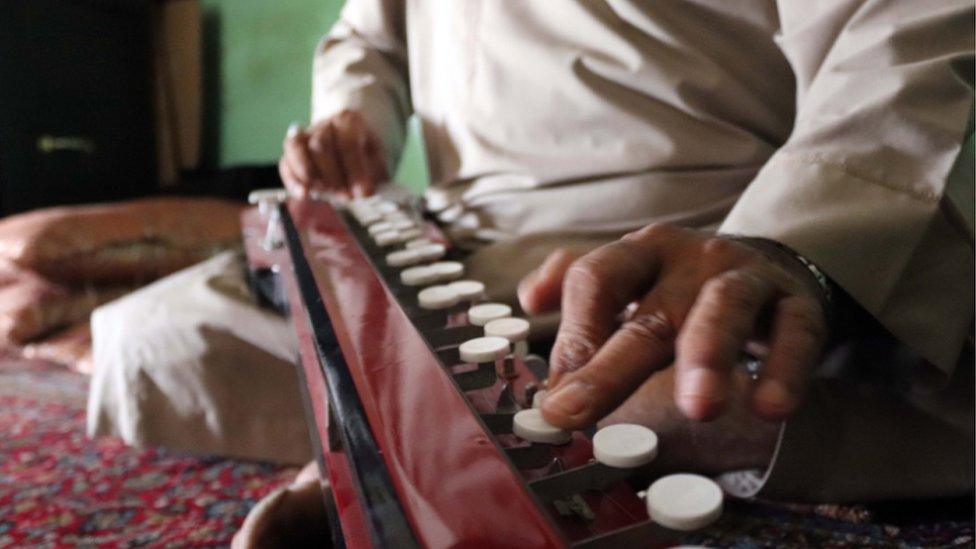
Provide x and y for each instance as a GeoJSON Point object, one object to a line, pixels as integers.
{"type": "Point", "coordinates": [58, 488]}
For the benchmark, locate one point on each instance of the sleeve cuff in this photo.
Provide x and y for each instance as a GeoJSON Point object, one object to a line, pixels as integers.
{"type": "Point", "coordinates": [864, 234]}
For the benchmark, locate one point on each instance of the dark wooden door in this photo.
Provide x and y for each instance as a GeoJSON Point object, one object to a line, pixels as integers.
{"type": "Point", "coordinates": [76, 110]}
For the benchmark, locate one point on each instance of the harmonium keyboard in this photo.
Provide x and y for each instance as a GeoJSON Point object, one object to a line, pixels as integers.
{"type": "Point", "coordinates": [423, 397]}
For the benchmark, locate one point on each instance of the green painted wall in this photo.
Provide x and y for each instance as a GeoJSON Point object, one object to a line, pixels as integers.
{"type": "Point", "coordinates": [258, 65]}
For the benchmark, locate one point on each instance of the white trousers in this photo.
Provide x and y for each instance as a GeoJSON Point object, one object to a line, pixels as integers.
{"type": "Point", "coordinates": [192, 362]}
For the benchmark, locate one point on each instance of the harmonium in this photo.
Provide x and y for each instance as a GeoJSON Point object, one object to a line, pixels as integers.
{"type": "Point", "coordinates": [423, 398]}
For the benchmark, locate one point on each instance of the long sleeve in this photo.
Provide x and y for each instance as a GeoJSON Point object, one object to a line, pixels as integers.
{"type": "Point", "coordinates": [362, 65]}
{"type": "Point", "coordinates": [884, 104]}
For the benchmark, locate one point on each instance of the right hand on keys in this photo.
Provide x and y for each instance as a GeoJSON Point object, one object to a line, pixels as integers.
{"type": "Point", "coordinates": [339, 155]}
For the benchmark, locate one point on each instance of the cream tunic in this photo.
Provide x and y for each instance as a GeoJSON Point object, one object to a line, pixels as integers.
{"type": "Point", "coordinates": [830, 126]}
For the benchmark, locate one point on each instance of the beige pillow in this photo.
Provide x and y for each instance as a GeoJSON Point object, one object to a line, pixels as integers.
{"type": "Point", "coordinates": [32, 306]}
{"type": "Point", "coordinates": [130, 241]}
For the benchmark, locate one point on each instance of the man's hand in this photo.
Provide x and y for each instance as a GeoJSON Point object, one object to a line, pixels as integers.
{"type": "Point", "coordinates": [693, 299]}
{"type": "Point", "coordinates": [338, 155]}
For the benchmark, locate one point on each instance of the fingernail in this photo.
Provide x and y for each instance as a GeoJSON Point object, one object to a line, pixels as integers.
{"type": "Point", "coordinates": [569, 400]}
{"type": "Point", "coordinates": [698, 394]}
{"type": "Point", "coordinates": [699, 383]}
{"type": "Point", "coordinates": [293, 129]}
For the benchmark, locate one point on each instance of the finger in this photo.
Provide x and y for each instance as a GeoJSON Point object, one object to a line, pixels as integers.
{"type": "Point", "coordinates": [375, 160]}
{"type": "Point", "coordinates": [322, 145]}
{"type": "Point", "coordinates": [289, 180]}
{"type": "Point", "coordinates": [296, 154]}
{"type": "Point", "coordinates": [597, 287]}
{"type": "Point", "coordinates": [718, 326]}
{"type": "Point", "coordinates": [796, 342]}
{"type": "Point", "coordinates": [350, 133]}
{"type": "Point", "coordinates": [540, 291]}
{"type": "Point", "coordinates": [641, 346]}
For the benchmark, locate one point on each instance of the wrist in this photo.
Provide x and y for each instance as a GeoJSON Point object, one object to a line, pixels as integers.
{"type": "Point", "coordinates": [805, 270]}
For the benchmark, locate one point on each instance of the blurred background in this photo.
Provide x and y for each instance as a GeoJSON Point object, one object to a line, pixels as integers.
{"type": "Point", "coordinates": [109, 99]}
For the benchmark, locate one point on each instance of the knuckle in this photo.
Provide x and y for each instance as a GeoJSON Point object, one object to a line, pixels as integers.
{"type": "Point", "coordinates": [805, 315]}
{"type": "Point", "coordinates": [655, 231]}
{"type": "Point", "coordinates": [585, 273]}
{"type": "Point", "coordinates": [654, 327]}
{"type": "Point", "coordinates": [573, 349]}
{"type": "Point", "coordinates": [729, 289]}
{"type": "Point", "coordinates": [319, 141]}
{"type": "Point", "coordinates": [717, 247]}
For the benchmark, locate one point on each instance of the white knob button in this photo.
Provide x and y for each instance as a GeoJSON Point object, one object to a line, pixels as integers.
{"type": "Point", "coordinates": [468, 290]}
{"type": "Point", "coordinates": [538, 397]}
{"type": "Point", "coordinates": [368, 218]}
{"type": "Point", "coordinates": [404, 235]}
{"type": "Point", "coordinates": [267, 195]}
{"type": "Point", "coordinates": [625, 445]}
{"type": "Point", "coordinates": [386, 238]}
{"type": "Point", "coordinates": [684, 501]}
{"type": "Point", "coordinates": [395, 216]}
{"type": "Point", "coordinates": [482, 314]}
{"type": "Point", "coordinates": [365, 214]}
{"type": "Point", "coordinates": [446, 270]}
{"type": "Point", "coordinates": [419, 242]}
{"type": "Point", "coordinates": [379, 227]}
{"type": "Point", "coordinates": [367, 201]}
{"type": "Point", "coordinates": [430, 252]}
{"type": "Point", "coordinates": [402, 258]}
{"type": "Point", "coordinates": [512, 329]}
{"type": "Point", "coordinates": [483, 349]}
{"type": "Point", "coordinates": [437, 297]}
{"type": "Point", "coordinates": [402, 224]}
{"type": "Point", "coordinates": [530, 425]}
{"type": "Point", "coordinates": [418, 276]}
{"type": "Point", "coordinates": [385, 207]}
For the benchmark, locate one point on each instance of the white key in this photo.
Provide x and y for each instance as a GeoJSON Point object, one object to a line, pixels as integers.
{"type": "Point", "coordinates": [625, 445]}
{"type": "Point", "coordinates": [402, 258]}
{"type": "Point", "coordinates": [538, 397]}
{"type": "Point", "coordinates": [370, 200]}
{"type": "Point", "coordinates": [430, 252]}
{"type": "Point", "coordinates": [380, 227]}
{"type": "Point", "coordinates": [267, 195]}
{"type": "Point", "coordinates": [420, 275]}
{"type": "Point", "coordinates": [385, 207]}
{"type": "Point", "coordinates": [530, 425]}
{"type": "Point", "coordinates": [468, 290]}
{"type": "Point", "coordinates": [445, 271]}
{"type": "Point", "coordinates": [684, 501]}
{"type": "Point", "coordinates": [419, 242]}
{"type": "Point", "coordinates": [512, 329]}
{"type": "Point", "coordinates": [483, 349]}
{"type": "Point", "coordinates": [482, 314]}
{"type": "Point", "coordinates": [386, 238]}
{"type": "Point", "coordinates": [404, 235]}
{"type": "Point", "coordinates": [368, 218]}
{"type": "Point", "coordinates": [402, 224]}
{"type": "Point", "coordinates": [395, 216]}
{"type": "Point", "coordinates": [437, 297]}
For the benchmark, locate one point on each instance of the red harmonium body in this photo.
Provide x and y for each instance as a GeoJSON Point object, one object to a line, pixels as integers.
{"type": "Point", "coordinates": [417, 446]}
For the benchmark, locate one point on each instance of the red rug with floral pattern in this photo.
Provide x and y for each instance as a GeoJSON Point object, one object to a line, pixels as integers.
{"type": "Point", "coordinates": [60, 488]}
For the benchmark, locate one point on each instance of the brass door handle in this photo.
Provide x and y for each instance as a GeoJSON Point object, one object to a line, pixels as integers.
{"type": "Point", "coordinates": [48, 144]}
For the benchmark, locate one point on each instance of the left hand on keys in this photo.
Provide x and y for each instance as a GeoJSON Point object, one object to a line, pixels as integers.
{"type": "Point", "coordinates": [696, 301]}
